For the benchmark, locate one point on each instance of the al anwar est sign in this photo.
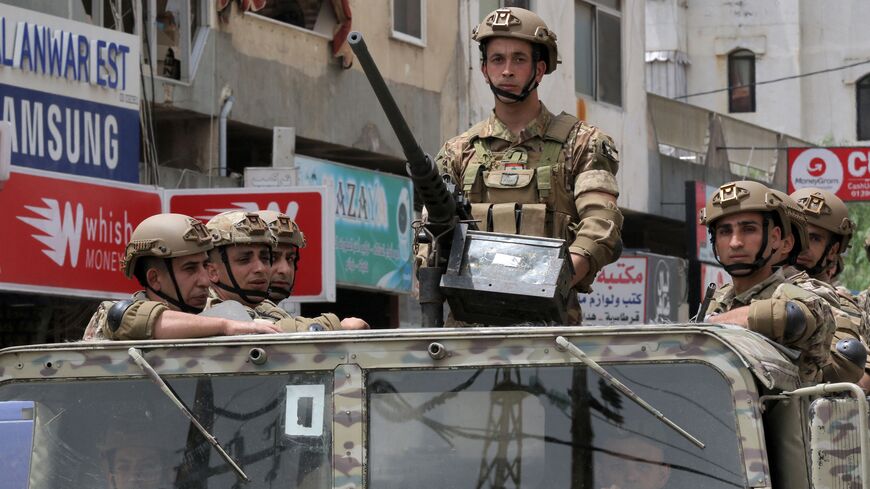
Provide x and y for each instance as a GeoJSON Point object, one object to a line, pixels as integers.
{"type": "Point", "coordinates": [843, 171]}
{"type": "Point", "coordinates": [308, 206]}
{"type": "Point", "coordinates": [66, 235]}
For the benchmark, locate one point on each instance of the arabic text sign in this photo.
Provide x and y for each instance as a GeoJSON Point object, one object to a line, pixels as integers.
{"type": "Point", "coordinates": [372, 223]}
{"type": "Point", "coordinates": [66, 235]}
{"type": "Point", "coordinates": [618, 295]}
{"type": "Point", "coordinates": [308, 206]}
{"type": "Point", "coordinates": [71, 91]}
{"type": "Point", "coordinates": [843, 171]}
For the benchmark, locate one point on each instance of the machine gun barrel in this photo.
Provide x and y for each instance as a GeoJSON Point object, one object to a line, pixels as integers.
{"type": "Point", "coordinates": [439, 201]}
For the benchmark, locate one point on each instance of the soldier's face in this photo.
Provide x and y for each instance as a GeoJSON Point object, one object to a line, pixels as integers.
{"type": "Point", "coordinates": [250, 265]}
{"type": "Point", "coordinates": [739, 237]}
{"type": "Point", "coordinates": [190, 275]}
{"type": "Point", "coordinates": [137, 468]}
{"type": "Point", "coordinates": [632, 463]}
{"type": "Point", "coordinates": [819, 239]}
{"type": "Point", "coordinates": [509, 64]}
{"type": "Point", "coordinates": [283, 268]}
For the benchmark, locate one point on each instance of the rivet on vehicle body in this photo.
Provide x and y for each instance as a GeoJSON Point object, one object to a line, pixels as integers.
{"type": "Point", "coordinates": [437, 351]}
{"type": "Point", "coordinates": [353, 356]}
{"type": "Point", "coordinates": [258, 356]}
{"type": "Point", "coordinates": [546, 350]}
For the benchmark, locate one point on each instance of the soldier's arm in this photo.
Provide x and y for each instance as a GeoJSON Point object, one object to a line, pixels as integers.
{"type": "Point", "coordinates": [125, 320]}
{"type": "Point", "coordinates": [598, 233]}
{"type": "Point", "coordinates": [176, 324]}
{"type": "Point", "coordinates": [738, 316]}
{"type": "Point", "coordinates": [326, 321]}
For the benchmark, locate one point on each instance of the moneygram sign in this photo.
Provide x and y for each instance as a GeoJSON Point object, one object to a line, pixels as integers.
{"type": "Point", "coordinates": [66, 235]}
{"type": "Point", "coordinates": [71, 92]}
{"type": "Point", "coordinates": [843, 171]}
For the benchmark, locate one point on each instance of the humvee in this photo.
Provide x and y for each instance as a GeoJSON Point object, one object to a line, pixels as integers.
{"type": "Point", "coordinates": [676, 406]}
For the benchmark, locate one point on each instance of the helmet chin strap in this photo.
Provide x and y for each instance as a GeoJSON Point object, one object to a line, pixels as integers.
{"type": "Point", "coordinates": [278, 294]}
{"type": "Point", "coordinates": [248, 295]}
{"type": "Point", "coordinates": [179, 302]}
{"type": "Point", "coordinates": [746, 269]}
{"type": "Point", "coordinates": [529, 87]}
{"type": "Point", "coordinates": [822, 264]}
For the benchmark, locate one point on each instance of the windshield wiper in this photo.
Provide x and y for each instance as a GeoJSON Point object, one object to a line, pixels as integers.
{"type": "Point", "coordinates": [581, 355]}
{"type": "Point", "coordinates": [155, 377]}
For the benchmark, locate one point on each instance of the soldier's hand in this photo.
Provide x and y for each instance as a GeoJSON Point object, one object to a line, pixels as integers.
{"type": "Point", "coordinates": [354, 323]}
{"type": "Point", "coordinates": [581, 268]}
{"type": "Point", "coordinates": [250, 327]}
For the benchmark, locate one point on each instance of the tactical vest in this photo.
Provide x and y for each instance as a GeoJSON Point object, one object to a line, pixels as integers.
{"type": "Point", "coordinates": [517, 192]}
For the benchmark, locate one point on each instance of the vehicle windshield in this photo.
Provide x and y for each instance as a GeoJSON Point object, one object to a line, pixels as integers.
{"type": "Point", "coordinates": [123, 434]}
{"type": "Point", "coordinates": [551, 427]}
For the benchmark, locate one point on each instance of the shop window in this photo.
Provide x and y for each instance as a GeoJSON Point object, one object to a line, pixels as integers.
{"type": "Point", "coordinates": [174, 36]}
{"type": "Point", "coordinates": [119, 15]}
{"type": "Point", "coordinates": [301, 13]}
{"type": "Point", "coordinates": [598, 50]}
{"type": "Point", "coordinates": [487, 6]}
{"type": "Point", "coordinates": [862, 90]}
{"type": "Point", "coordinates": [741, 81]}
{"type": "Point", "coordinates": [409, 20]}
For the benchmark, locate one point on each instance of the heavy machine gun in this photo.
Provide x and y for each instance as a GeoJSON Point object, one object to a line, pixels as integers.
{"type": "Point", "coordinates": [487, 278]}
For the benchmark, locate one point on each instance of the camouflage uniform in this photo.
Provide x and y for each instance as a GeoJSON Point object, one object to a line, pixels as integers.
{"type": "Point", "coordinates": [137, 322]}
{"type": "Point", "coordinates": [813, 343]}
{"type": "Point", "coordinates": [555, 189]}
{"type": "Point", "coordinates": [268, 311]}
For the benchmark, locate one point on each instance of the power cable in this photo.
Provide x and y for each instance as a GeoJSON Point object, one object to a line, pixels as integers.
{"type": "Point", "coordinates": [775, 80]}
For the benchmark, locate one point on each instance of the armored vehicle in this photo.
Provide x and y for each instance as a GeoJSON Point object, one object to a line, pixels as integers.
{"type": "Point", "coordinates": [677, 406]}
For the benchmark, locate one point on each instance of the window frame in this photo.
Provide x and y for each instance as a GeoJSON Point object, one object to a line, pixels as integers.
{"type": "Point", "coordinates": [737, 55]}
{"type": "Point", "coordinates": [192, 46]}
{"type": "Point", "coordinates": [597, 9]}
{"type": "Point", "coordinates": [403, 36]}
{"type": "Point", "coordinates": [859, 129]}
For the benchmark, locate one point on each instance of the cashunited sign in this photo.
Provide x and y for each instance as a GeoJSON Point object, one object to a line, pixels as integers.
{"type": "Point", "coordinates": [71, 92]}
{"type": "Point", "coordinates": [844, 171]}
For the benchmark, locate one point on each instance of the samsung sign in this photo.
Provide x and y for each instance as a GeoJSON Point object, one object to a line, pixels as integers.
{"type": "Point", "coordinates": [71, 92]}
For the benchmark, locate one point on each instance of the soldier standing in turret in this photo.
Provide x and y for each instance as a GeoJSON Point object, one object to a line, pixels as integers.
{"type": "Point", "coordinates": [748, 227]}
{"type": "Point", "coordinates": [528, 171]}
{"type": "Point", "coordinates": [167, 255]}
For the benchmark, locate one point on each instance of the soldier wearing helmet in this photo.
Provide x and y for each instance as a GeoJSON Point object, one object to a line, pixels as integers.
{"type": "Point", "coordinates": [240, 269]}
{"type": "Point", "coordinates": [528, 171]}
{"type": "Point", "coordinates": [167, 255]}
{"type": "Point", "coordinates": [829, 230]}
{"type": "Point", "coordinates": [285, 258]}
{"type": "Point", "coordinates": [749, 229]}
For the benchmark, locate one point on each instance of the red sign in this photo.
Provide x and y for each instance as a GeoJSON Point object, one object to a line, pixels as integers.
{"type": "Point", "coordinates": [66, 235]}
{"type": "Point", "coordinates": [843, 171]}
{"type": "Point", "coordinates": [315, 278]}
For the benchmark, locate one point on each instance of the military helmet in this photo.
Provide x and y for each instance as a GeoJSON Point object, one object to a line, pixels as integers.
{"type": "Point", "coordinates": [797, 219]}
{"type": "Point", "coordinates": [825, 210]}
{"type": "Point", "coordinates": [745, 196]}
{"type": "Point", "coordinates": [522, 24]}
{"type": "Point", "coordinates": [165, 236]}
{"type": "Point", "coordinates": [239, 227]}
{"type": "Point", "coordinates": [285, 230]}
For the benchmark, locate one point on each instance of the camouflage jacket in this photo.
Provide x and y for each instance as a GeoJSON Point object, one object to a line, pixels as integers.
{"type": "Point", "coordinates": [268, 311]}
{"type": "Point", "coordinates": [586, 164]}
{"type": "Point", "coordinates": [850, 318]}
{"type": "Point", "coordinates": [813, 344]}
{"type": "Point", "coordinates": [136, 324]}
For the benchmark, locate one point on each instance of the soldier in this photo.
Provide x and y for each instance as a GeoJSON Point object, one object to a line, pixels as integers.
{"type": "Point", "coordinates": [240, 268]}
{"type": "Point", "coordinates": [285, 258]}
{"type": "Point", "coordinates": [527, 171]}
{"type": "Point", "coordinates": [167, 255]}
{"type": "Point", "coordinates": [748, 224]}
{"type": "Point", "coordinates": [829, 230]}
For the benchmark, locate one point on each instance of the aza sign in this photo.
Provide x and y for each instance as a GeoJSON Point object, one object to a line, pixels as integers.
{"type": "Point", "coordinates": [844, 171]}
{"type": "Point", "coordinates": [66, 235]}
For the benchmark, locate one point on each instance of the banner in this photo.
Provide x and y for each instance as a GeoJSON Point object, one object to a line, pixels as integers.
{"type": "Point", "coordinates": [310, 207]}
{"type": "Point", "coordinates": [843, 171]}
{"type": "Point", "coordinates": [373, 213]}
{"type": "Point", "coordinates": [619, 294]}
{"type": "Point", "coordinates": [71, 91]}
{"type": "Point", "coordinates": [66, 235]}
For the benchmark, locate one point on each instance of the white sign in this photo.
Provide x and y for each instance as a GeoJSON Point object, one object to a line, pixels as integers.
{"type": "Point", "coordinates": [618, 295]}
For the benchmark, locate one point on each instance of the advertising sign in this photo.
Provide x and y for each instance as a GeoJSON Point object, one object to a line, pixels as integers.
{"type": "Point", "coordinates": [713, 274]}
{"type": "Point", "coordinates": [310, 207]}
{"type": "Point", "coordinates": [373, 213]}
{"type": "Point", "coordinates": [66, 235]}
{"type": "Point", "coordinates": [71, 91]}
{"type": "Point", "coordinates": [619, 294]}
{"type": "Point", "coordinates": [703, 247]}
{"type": "Point", "coordinates": [843, 171]}
{"type": "Point", "coordinates": [666, 287]}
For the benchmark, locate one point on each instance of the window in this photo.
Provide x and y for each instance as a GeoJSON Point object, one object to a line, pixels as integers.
{"type": "Point", "coordinates": [301, 13]}
{"type": "Point", "coordinates": [112, 14]}
{"type": "Point", "coordinates": [862, 90]}
{"type": "Point", "coordinates": [598, 50]}
{"type": "Point", "coordinates": [174, 36]}
{"type": "Point", "coordinates": [487, 6]}
{"type": "Point", "coordinates": [409, 23]}
{"type": "Point", "coordinates": [741, 81]}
